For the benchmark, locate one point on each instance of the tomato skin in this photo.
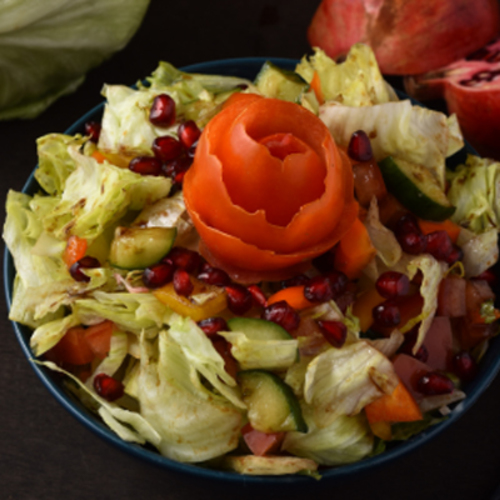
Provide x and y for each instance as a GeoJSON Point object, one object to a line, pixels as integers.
{"type": "Point", "coordinates": [72, 349]}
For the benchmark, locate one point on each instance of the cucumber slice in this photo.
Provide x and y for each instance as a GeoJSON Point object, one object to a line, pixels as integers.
{"type": "Point", "coordinates": [258, 329]}
{"type": "Point", "coordinates": [272, 405]}
{"type": "Point", "coordinates": [279, 83]}
{"type": "Point", "coordinates": [140, 247]}
{"type": "Point", "coordinates": [416, 188]}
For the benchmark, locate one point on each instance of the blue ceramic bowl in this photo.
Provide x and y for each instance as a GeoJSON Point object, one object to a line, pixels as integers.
{"type": "Point", "coordinates": [490, 365]}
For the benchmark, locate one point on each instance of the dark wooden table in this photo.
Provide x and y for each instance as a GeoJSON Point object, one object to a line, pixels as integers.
{"type": "Point", "coordinates": [45, 454]}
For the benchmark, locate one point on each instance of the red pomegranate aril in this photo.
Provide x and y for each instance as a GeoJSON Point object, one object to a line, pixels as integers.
{"type": "Point", "coordinates": [318, 289]}
{"type": "Point", "coordinates": [188, 133]}
{"type": "Point", "coordinates": [338, 281]}
{"type": "Point", "coordinates": [223, 347]}
{"type": "Point", "coordinates": [259, 298]}
{"type": "Point", "coordinates": [455, 255]}
{"type": "Point", "coordinates": [434, 383]}
{"type": "Point", "coordinates": [386, 314]}
{"type": "Point", "coordinates": [282, 314]}
{"type": "Point", "coordinates": [183, 258]}
{"type": "Point", "coordinates": [489, 276]}
{"type": "Point", "coordinates": [192, 150]}
{"type": "Point", "coordinates": [408, 223]}
{"type": "Point", "coordinates": [108, 387]}
{"type": "Point", "coordinates": [162, 113]}
{"type": "Point", "coordinates": [175, 169]}
{"type": "Point", "coordinates": [93, 130]}
{"type": "Point", "coordinates": [335, 332]}
{"type": "Point", "coordinates": [182, 283]}
{"type": "Point", "coordinates": [438, 244]}
{"type": "Point", "coordinates": [412, 243]}
{"type": "Point", "coordinates": [299, 280]}
{"type": "Point", "coordinates": [86, 262]}
{"type": "Point", "coordinates": [145, 165]}
{"type": "Point", "coordinates": [158, 275]}
{"type": "Point", "coordinates": [214, 325]}
{"type": "Point", "coordinates": [166, 148]}
{"type": "Point", "coordinates": [213, 275]}
{"type": "Point", "coordinates": [464, 366]}
{"type": "Point", "coordinates": [392, 284]}
{"type": "Point", "coordinates": [360, 148]}
{"type": "Point", "coordinates": [239, 299]}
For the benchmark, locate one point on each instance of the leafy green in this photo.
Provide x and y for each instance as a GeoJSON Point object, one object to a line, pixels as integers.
{"type": "Point", "coordinates": [47, 47]}
{"type": "Point", "coordinates": [419, 135]}
{"type": "Point", "coordinates": [480, 250]}
{"type": "Point", "coordinates": [345, 440]}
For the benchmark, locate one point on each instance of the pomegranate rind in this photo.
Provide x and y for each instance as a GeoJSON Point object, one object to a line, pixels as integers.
{"type": "Point", "coordinates": [407, 39]}
{"type": "Point", "coordinates": [233, 226]}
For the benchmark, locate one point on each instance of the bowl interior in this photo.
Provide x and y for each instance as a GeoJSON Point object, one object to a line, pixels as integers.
{"type": "Point", "coordinates": [489, 367]}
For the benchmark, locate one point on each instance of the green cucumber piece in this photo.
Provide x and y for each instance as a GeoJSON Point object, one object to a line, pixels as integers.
{"type": "Point", "coordinates": [272, 405]}
{"type": "Point", "coordinates": [258, 329]}
{"type": "Point", "coordinates": [279, 83]}
{"type": "Point", "coordinates": [140, 247]}
{"type": "Point", "coordinates": [416, 188]}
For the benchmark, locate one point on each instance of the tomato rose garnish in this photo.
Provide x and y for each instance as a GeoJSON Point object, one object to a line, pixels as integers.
{"type": "Point", "coordinates": [268, 188]}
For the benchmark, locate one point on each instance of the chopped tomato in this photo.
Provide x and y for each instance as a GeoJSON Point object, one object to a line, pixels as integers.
{"type": "Point", "coordinates": [261, 443]}
{"type": "Point", "coordinates": [439, 343]}
{"type": "Point", "coordinates": [451, 297]}
{"type": "Point", "coordinates": [72, 349]}
{"type": "Point", "coordinates": [409, 370]}
{"type": "Point", "coordinates": [76, 248]}
{"type": "Point", "coordinates": [98, 338]}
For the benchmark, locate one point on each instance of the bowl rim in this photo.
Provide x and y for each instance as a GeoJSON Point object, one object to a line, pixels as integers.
{"type": "Point", "coordinates": [489, 368]}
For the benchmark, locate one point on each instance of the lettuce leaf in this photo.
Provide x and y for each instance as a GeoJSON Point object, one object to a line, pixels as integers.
{"type": "Point", "coordinates": [355, 82]}
{"type": "Point", "coordinates": [47, 47]}
{"type": "Point", "coordinates": [475, 192]}
{"type": "Point", "coordinates": [480, 250]}
{"type": "Point", "coordinates": [345, 440]}
{"type": "Point", "coordinates": [417, 134]}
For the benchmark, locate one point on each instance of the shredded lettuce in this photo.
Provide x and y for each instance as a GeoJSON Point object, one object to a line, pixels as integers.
{"type": "Point", "coordinates": [346, 440]}
{"type": "Point", "coordinates": [400, 129]}
{"type": "Point", "coordinates": [480, 250]}
{"type": "Point", "coordinates": [355, 82]}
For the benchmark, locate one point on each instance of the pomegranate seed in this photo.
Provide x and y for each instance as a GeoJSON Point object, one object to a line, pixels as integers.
{"type": "Point", "coordinates": [183, 258]}
{"type": "Point", "coordinates": [192, 150]}
{"type": "Point", "coordinates": [188, 133]}
{"type": "Point", "coordinates": [108, 387]}
{"type": "Point", "coordinates": [392, 284]}
{"type": "Point", "coordinates": [182, 282]}
{"type": "Point", "coordinates": [455, 255]}
{"type": "Point", "coordinates": [433, 383]}
{"type": "Point", "coordinates": [409, 235]}
{"type": "Point", "coordinates": [162, 112]}
{"type": "Point", "coordinates": [223, 347]}
{"type": "Point", "coordinates": [213, 275]}
{"type": "Point", "coordinates": [360, 148]}
{"type": "Point", "coordinates": [145, 165]}
{"type": "Point", "coordinates": [335, 332]}
{"type": "Point", "coordinates": [158, 275]}
{"type": "Point", "coordinates": [175, 169]}
{"type": "Point", "coordinates": [239, 299]}
{"type": "Point", "coordinates": [318, 289]}
{"type": "Point", "coordinates": [408, 223]}
{"type": "Point", "coordinates": [167, 148]}
{"type": "Point", "coordinates": [298, 280]}
{"type": "Point", "coordinates": [386, 314]}
{"type": "Point", "coordinates": [439, 244]}
{"type": "Point", "coordinates": [464, 365]}
{"type": "Point", "coordinates": [213, 325]}
{"type": "Point", "coordinates": [86, 262]}
{"type": "Point", "coordinates": [282, 314]}
{"type": "Point", "coordinates": [325, 262]}
{"type": "Point", "coordinates": [489, 276]}
{"type": "Point", "coordinates": [259, 299]}
{"type": "Point", "coordinates": [338, 281]}
{"type": "Point", "coordinates": [93, 130]}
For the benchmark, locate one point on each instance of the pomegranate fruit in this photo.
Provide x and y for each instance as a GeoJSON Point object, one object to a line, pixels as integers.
{"type": "Point", "coordinates": [471, 89]}
{"type": "Point", "coordinates": [407, 37]}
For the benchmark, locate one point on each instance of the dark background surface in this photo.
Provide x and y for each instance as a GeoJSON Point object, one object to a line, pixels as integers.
{"type": "Point", "coordinates": [46, 454]}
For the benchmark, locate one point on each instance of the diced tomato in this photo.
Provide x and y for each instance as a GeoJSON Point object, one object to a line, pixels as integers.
{"type": "Point", "coordinates": [439, 343]}
{"type": "Point", "coordinates": [368, 182]}
{"type": "Point", "coordinates": [477, 292]}
{"type": "Point", "coordinates": [75, 249]}
{"type": "Point", "coordinates": [98, 337]}
{"type": "Point", "coordinates": [451, 298]}
{"type": "Point", "coordinates": [471, 333]}
{"type": "Point", "coordinates": [72, 349]}
{"type": "Point", "coordinates": [261, 443]}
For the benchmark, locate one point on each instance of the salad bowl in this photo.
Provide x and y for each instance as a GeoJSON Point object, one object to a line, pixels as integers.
{"type": "Point", "coordinates": [488, 369]}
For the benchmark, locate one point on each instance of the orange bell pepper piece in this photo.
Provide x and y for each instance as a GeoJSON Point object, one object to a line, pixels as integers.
{"type": "Point", "coordinates": [293, 295]}
{"type": "Point", "coordinates": [428, 226]}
